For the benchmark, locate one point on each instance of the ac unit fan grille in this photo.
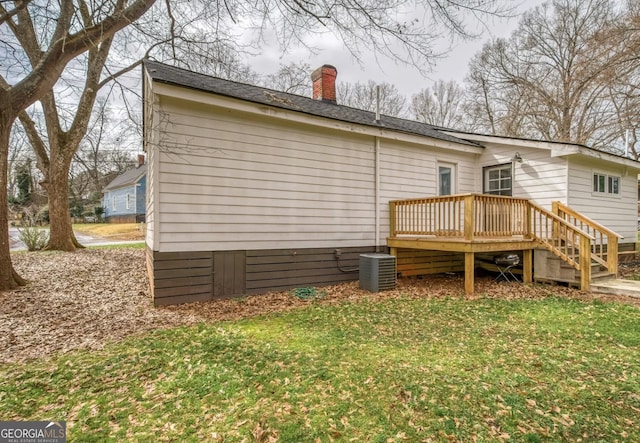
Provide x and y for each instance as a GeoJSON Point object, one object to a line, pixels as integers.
{"type": "Point", "coordinates": [377, 272]}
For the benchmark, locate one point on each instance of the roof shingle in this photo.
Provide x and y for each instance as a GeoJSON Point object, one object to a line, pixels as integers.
{"type": "Point", "coordinates": [127, 178]}
{"type": "Point", "coordinates": [181, 77]}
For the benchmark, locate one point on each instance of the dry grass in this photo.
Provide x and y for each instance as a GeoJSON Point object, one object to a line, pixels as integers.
{"type": "Point", "coordinates": [114, 231]}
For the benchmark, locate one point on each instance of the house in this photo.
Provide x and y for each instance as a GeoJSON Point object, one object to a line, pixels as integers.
{"type": "Point", "coordinates": [252, 190]}
{"type": "Point", "coordinates": [124, 197]}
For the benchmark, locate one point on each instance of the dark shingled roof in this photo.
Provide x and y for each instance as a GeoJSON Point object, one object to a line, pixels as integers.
{"type": "Point", "coordinates": [127, 178]}
{"type": "Point", "coordinates": [181, 77]}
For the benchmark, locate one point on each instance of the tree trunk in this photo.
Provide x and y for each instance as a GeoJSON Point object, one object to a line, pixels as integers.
{"type": "Point", "coordinates": [61, 236]}
{"type": "Point", "coordinates": [9, 278]}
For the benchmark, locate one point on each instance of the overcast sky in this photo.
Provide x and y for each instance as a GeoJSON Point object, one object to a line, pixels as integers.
{"type": "Point", "coordinates": [406, 79]}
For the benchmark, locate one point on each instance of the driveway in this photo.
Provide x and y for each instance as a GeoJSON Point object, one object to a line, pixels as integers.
{"type": "Point", "coordinates": [15, 244]}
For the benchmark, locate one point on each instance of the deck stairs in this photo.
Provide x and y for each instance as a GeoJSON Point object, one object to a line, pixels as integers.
{"type": "Point", "coordinates": [564, 261]}
{"type": "Point", "coordinates": [579, 251]}
{"type": "Point", "coordinates": [549, 267]}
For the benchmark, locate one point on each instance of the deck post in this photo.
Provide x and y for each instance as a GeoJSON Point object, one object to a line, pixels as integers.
{"type": "Point", "coordinates": [469, 270]}
{"type": "Point", "coordinates": [392, 219]}
{"type": "Point", "coordinates": [612, 254]}
{"type": "Point", "coordinates": [469, 216]}
{"type": "Point", "coordinates": [527, 265]}
{"type": "Point", "coordinates": [585, 263]}
{"type": "Point", "coordinates": [555, 232]}
{"type": "Point", "coordinates": [528, 221]}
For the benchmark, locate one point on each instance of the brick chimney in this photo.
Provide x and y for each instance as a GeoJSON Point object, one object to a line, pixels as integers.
{"type": "Point", "coordinates": [140, 160]}
{"type": "Point", "coordinates": [324, 83]}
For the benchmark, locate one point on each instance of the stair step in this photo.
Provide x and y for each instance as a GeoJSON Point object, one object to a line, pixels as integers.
{"type": "Point", "coordinates": [602, 275]}
{"type": "Point", "coordinates": [595, 267]}
{"type": "Point", "coordinates": [629, 288]}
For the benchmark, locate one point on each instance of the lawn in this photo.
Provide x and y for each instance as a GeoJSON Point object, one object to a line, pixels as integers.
{"type": "Point", "coordinates": [121, 231]}
{"type": "Point", "coordinates": [399, 369]}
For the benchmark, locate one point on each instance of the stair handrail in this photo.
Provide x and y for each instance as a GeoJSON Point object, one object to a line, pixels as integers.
{"type": "Point", "coordinates": [583, 262]}
{"type": "Point", "coordinates": [597, 249]}
{"type": "Point", "coordinates": [594, 224]}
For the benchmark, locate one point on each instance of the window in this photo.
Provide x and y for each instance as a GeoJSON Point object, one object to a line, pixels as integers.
{"type": "Point", "coordinates": [113, 202]}
{"type": "Point", "coordinates": [608, 184]}
{"type": "Point", "coordinates": [446, 179]}
{"type": "Point", "coordinates": [497, 180]}
{"type": "Point", "coordinates": [128, 201]}
{"type": "Point", "coordinates": [614, 185]}
{"type": "Point", "coordinates": [599, 183]}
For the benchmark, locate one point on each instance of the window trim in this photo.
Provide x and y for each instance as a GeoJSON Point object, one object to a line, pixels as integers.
{"type": "Point", "coordinates": [453, 181]}
{"type": "Point", "coordinates": [485, 180]}
{"type": "Point", "coordinates": [607, 186]}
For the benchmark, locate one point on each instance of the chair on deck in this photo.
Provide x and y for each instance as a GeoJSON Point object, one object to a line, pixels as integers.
{"type": "Point", "coordinates": [505, 263]}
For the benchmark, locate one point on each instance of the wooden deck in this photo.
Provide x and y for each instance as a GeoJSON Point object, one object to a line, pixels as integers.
{"type": "Point", "coordinates": [474, 223]}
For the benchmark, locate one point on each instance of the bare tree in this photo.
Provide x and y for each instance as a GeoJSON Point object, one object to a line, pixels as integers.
{"type": "Point", "coordinates": [64, 39]}
{"type": "Point", "coordinates": [364, 96]}
{"type": "Point", "coordinates": [102, 155]}
{"type": "Point", "coordinates": [550, 79]}
{"type": "Point", "coordinates": [293, 78]}
{"type": "Point", "coordinates": [66, 125]}
{"type": "Point", "coordinates": [39, 39]}
{"type": "Point", "coordinates": [440, 105]}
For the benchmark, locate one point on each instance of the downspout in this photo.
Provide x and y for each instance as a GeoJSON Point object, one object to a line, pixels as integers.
{"type": "Point", "coordinates": [377, 192]}
{"type": "Point", "coordinates": [377, 172]}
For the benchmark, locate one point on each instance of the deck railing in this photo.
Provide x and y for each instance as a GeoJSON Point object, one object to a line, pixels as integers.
{"type": "Point", "coordinates": [479, 216]}
{"type": "Point", "coordinates": [434, 216]}
{"type": "Point", "coordinates": [564, 240]}
{"type": "Point", "coordinates": [604, 247]}
{"type": "Point", "coordinates": [464, 216]}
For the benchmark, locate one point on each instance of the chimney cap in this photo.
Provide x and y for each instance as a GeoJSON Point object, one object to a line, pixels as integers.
{"type": "Point", "coordinates": [323, 69]}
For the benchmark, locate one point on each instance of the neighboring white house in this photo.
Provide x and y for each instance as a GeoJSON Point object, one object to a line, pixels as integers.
{"type": "Point", "coordinates": [250, 189]}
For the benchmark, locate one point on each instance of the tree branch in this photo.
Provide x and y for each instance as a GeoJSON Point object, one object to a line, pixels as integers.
{"type": "Point", "coordinates": [6, 15]}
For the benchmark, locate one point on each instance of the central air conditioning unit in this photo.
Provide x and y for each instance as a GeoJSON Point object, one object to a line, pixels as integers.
{"type": "Point", "coordinates": [377, 272]}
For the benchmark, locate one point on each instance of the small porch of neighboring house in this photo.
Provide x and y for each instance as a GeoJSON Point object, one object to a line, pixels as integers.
{"type": "Point", "coordinates": [462, 227]}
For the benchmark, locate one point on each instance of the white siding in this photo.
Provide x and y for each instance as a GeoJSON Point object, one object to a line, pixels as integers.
{"type": "Point", "coordinates": [410, 171]}
{"type": "Point", "coordinates": [617, 212]}
{"type": "Point", "coordinates": [233, 181]}
{"type": "Point", "coordinates": [538, 177]}
{"type": "Point", "coordinates": [229, 180]}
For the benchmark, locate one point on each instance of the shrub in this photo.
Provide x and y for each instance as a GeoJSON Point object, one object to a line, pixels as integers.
{"type": "Point", "coordinates": [35, 239]}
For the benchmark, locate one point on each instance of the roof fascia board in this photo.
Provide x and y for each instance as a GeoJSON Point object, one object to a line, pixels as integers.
{"type": "Point", "coordinates": [591, 153]}
{"type": "Point", "coordinates": [556, 149]}
{"type": "Point", "coordinates": [483, 138]}
{"type": "Point", "coordinates": [209, 98]}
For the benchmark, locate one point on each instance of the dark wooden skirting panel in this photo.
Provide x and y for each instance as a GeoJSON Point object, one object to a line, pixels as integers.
{"type": "Point", "coordinates": [626, 247]}
{"type": "Point", "coordinates": [181, 277]}
{"type": "Point", "coordinates": [229, 272]}
{"type": "Point", "coordinates": [184, 277]}
{"type": "Point", "coordinates": [420, 262]}
{"type": "Point", "coordinates": [627, 252]}
{"type": "Point", "coordinates": [280, 269]}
